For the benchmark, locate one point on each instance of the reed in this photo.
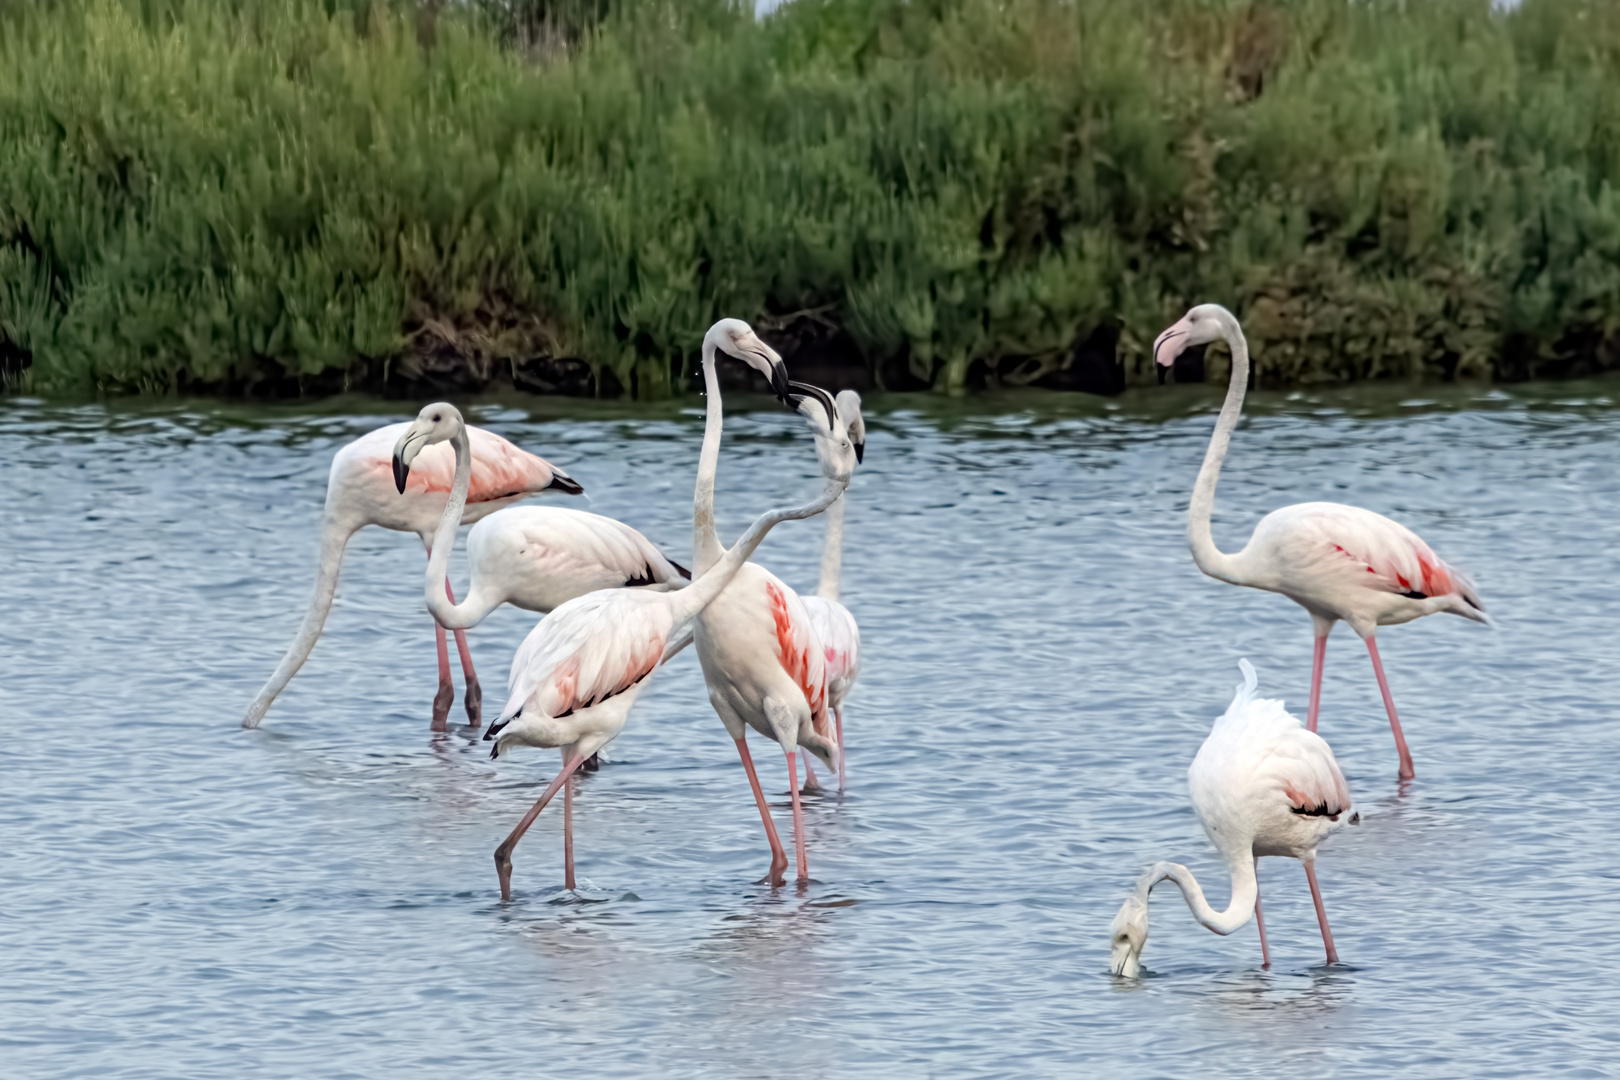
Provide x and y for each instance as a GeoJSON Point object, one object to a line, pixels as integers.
{"type": "Point", "coordinates": [262, 197]}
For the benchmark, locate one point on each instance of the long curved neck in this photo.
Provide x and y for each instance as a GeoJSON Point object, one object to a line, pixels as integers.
{"type": "Point", "coordinates": [832, 551]}
{"type": "Point", "coordinates": [335, 533]}
{"type": "Point", "coordinates": [706, 550]}
{"type": "Point", "coordinates": [451, 616]}
{"type": "Point", "coordinates": [1245, 890]}
{"type": "Point", "coordinates": [688, 602]}
{"type": "Point", "coordinates": [1210, 559]}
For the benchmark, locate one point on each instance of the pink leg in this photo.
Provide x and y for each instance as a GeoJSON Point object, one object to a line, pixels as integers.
{"type": "Point", "coordinates": [503, 854]}
{"type": "Point", "coordinates": [810, 781]}
{"type": "Point", "coordinates": [798, 816]}
{"type": "Point", "coordinates": [838, 718]}
{"type": "Point", "coordinates": [1406, 770]}
{"type": "Point", "coordinates": [1321, 912]}
{"type": "Point", "coordinates": [475, 693]}
{"type": "Point", "coordinates": [447, 692]}
{"type": "Point", "coordinates": [778, 853]}
{"type": "Point", "coordinates": [568, 831]}
{"type": "Point", "coordinates": [1318, 660]}
{"type": "Point", "coordinates": [1260, 919]}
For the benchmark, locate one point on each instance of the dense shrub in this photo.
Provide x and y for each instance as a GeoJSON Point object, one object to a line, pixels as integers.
{"type": "Point", "coordinates": [261, 194]}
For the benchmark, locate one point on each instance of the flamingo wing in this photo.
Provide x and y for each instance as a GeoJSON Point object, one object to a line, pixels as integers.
{"type": "Point", "coordinates": [800, 651]}
{"type": "Point", "coordinates": [839, 635]}
{"type": "Point", "coordinates": [1309, 776]}
{"type": "Point", "coordinates": [590, 649]}
{"type": "Point", "coordinates": [1377, 552]}
{"type": "Point", "coordinates": [581, 542]}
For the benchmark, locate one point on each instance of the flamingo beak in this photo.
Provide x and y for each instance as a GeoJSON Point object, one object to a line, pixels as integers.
{"type": "Point", "coordinates": [1169, 345]}
{"type": "Point", "coordinates": [563, 483]}
{"type": "Point", "coordinates": [402, 472]}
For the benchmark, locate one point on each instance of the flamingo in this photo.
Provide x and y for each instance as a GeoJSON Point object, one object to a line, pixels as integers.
{"type": "Point", "coordinates": [1262, 785]}
{"type": "Point", "coordinates": [1335, 561]}
{"type": "Point", "coordinates": [759, 652]}
{"type": "Point", "coordinates": [835, 627]}
{"type": "Point", "coordinates": [361, 491]}
{"type": "Point", "coordinates": [577, 674]}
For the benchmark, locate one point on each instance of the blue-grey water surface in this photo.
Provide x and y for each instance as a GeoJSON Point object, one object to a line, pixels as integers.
{"type": "Point", "coordinates": [181, 898]}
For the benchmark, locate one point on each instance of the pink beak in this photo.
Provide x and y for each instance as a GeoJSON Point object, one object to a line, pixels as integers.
{"type": "Point", "coordinates": [1170, 344]}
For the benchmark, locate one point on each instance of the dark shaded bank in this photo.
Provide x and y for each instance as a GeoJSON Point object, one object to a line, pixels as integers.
{"type": "Point", "coordinates": [271, 198]}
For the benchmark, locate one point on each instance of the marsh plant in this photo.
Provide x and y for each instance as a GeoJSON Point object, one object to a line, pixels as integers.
{"type": "Point", "coordinates": [273, 195]}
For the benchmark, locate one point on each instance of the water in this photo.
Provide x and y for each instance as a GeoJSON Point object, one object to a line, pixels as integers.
{"type": "Point", "coordinates": [180, 898]}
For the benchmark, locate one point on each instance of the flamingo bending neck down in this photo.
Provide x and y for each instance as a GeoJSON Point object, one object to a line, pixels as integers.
{"type": "Point", "coordinates": [533, 557]}
{"type": "Point", "coordinates": [360, 491]}
{"type": "Point", "coordinates": [1335, 561]}
{"type": "Point", "coordinates": [760, 655]}
{"type": "Point", "coordinates": [1261, 785]}
{"type": "Point", "coordinates": [577, 674]}
{"type": "Point", "coordinates": [835, 627]}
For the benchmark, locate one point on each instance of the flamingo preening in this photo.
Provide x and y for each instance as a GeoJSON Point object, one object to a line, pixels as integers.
{"type": "Point", "coordinates": [1335, 561]}
{"type": "Point", "coordinates": [361, 491]}
{"type": "Point", "coordinates": [579, 671]}
{"type": "Point", "coordinates": [760, 655]}
{"type": "Point", "coordinates": [1261, 785]}
{"type": "Point", "coordinates": [835, 627]}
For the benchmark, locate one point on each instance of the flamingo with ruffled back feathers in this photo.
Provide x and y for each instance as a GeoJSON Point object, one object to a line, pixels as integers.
{"type": "Point", "coordinates": [835, 627]}
{"type": "Point", "coordinates": [532, 557]}
{"type": "Point", "coordinates": [1261, 785]}
{"type": "Point", "coordinates": [761, 658]}
{"type": "Point", "coordinates": [577, 674]}
{"type": "Point", "coordinates": [1335, 561]}
{"type": "Point", "coordinates": [361, 491]}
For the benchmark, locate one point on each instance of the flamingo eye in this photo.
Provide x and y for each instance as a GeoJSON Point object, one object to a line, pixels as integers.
{"type": "Point", "coordinates": [436, 418]}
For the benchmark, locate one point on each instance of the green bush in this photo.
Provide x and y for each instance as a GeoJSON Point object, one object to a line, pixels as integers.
{"type": "Point", "coordinates": [252, 195]}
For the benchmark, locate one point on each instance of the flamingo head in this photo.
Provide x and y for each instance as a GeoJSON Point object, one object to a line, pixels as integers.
{"type": "Point", "coordinates": [834, 445]}
{"type": "Point", "coordinates": [848, 403]}
{"type": "Point", "coordinates": [1200, 326]}
{"type": "Point", "coordinates": [1127, 935]}
{"type": "Point", "coordinates": [737, 340]}
{"type": "Point", "coordinates": [434, 424]}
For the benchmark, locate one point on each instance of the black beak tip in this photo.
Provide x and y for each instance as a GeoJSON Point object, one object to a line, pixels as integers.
{"type": "Point", "coordinates": [1161, 369]}
{"type": "Point", "coordinates": [565, 484]}
{"type": "Point", "coordinates": [860, 453]}
{"type": "Point", "coordinates": [402, 472]}
{"type": "Point", "coordinates": [779, 383]}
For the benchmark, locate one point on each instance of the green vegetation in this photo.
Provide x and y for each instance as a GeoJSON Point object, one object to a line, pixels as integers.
{"type": "Point", "coordinates": [263, 195]}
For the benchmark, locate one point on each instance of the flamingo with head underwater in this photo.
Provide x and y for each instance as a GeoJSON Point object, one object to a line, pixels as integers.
{"type": "Point", "coordinates": [835, 627]}
{"type": "Point", "coordinates": [361, 490]}
{"type": "Point", "coordinates": [761, 658]}
{"type": "Point", "coordinates": [1335, 561]}
{"type": "Point", "coordinates": [577, 674]}
{"type": "Point", "coordinates": [1261, 785]}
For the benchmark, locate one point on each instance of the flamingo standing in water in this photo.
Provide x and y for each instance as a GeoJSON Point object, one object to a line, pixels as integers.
{"type": "Point", "coordinates": [758, 648]}
{"type": "Point", "coordinates": [835, 627]}
{"type": "Point", "coordinates": [1261, 785]}
{"type": "Point", "coordinates": [361, 491]}
{"type": "Point", "coordinates": [1335, 561]}
{"type": "Point", "coordinates": [578, 672]}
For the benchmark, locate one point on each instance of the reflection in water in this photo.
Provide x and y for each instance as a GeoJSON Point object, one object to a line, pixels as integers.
{"type": "Point", "coordinates": [1042, 660]}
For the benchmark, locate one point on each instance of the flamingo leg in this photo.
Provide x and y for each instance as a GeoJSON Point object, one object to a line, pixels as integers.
{"type": "Point", "coordinates": [810, 781]}
{"type": "Point", "coordinates": [568, 832]}
{"type": "Point", "coordinates": [1321, 912]}
{"type": "Point", "coordinates": [1406, 770]}
{"type": "Point", "coordinates": [838, 719]}
{"type": "Point", "coordinates": [798, 816]}
{"type": "Point", "coordinates": [778, 853]}
{"type": "Point", "coordinates": [1260, 919]}
{"type": "Point", "coordinates": [1318, 660]}
{"type": "Point", "coordinates": [447, 691]}
{"type": "Point", "coordinates": [475, 693]}
{"type": "Point", "coordinates": [503, 854]}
